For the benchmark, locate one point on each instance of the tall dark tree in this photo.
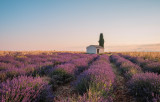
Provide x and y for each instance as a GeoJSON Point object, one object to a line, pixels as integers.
{"type": "Point", "coordinates": [101, 40]}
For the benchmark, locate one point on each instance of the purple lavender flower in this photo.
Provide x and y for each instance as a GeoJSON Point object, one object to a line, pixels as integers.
{"type": "Point", "coordinates": [23, 88]}
{"type": "Point", "coordinates": [68, 67]}
{"type": "Point", "coordinates": [144, 86]}
{"type": "Point", "coordinates": [153, 67]}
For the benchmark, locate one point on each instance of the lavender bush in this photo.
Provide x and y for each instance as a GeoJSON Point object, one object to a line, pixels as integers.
{"type": "Point", "coordinates": [68, 67]}
{"type": "Point", "coordinates": [145, 87]}
{"type": "Point", "coordinates": [60, 77]}
{"type": "Point", "coordinates": [153, 67]}
{"type": "Point", "coordinates": [23, 89]}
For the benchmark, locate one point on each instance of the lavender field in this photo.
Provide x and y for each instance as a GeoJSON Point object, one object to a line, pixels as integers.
{"type": "Point", "coordinates": [78, 77]}
{"type": "Point", "coordinates": [79, 50]}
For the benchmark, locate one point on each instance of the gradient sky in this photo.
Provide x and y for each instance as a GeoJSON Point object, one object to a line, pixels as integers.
{"type": "Point", "coordinates": [75, 24]}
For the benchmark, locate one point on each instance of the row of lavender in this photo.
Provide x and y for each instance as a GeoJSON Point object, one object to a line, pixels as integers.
{"type": "Point", "coordinates": [147, 65]}
{"type": "Point", "coordinates": [143, 86]}
{"type": "Point", "coordinates": [12, 66]}
{"type": "Point", "coordinates": [96, 83]}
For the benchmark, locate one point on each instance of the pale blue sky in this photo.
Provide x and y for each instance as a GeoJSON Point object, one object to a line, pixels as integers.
{"type": "Point", "coordinates": [75, 24]}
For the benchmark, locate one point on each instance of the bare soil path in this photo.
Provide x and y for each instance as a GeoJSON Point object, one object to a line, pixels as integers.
{"type": "Point", "coordinates": [63, 92]}
{"type": "Point", "coordinates": [120, 90]}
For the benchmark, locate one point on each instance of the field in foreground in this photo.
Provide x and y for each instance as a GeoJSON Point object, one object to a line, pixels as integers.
{"type": "Point", "coordinates": [79, 77]}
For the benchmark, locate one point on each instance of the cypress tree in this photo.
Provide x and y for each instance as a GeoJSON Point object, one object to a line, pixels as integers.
{"type": "Point", "coordinates": [101, 40]}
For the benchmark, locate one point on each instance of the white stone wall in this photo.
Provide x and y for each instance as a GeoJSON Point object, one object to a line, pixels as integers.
{"type": "Point", "coordinates": [91, 49]}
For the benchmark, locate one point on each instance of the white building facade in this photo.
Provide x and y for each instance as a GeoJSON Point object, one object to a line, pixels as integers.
{"type": "Point", "coordinates": [95, 49]}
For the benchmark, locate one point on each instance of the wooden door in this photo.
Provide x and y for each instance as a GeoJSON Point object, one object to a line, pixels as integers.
{"type": "Point", "coordinates": [97, 51]}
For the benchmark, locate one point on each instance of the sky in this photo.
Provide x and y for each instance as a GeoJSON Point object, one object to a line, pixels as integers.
{"type": "Point", "coordinates": [75, 24]}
